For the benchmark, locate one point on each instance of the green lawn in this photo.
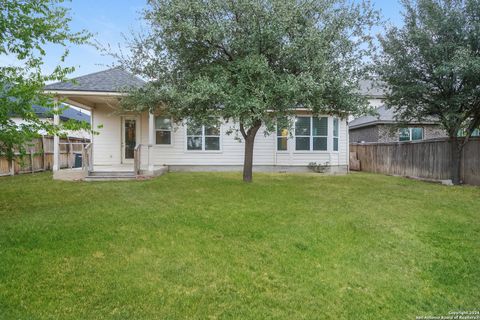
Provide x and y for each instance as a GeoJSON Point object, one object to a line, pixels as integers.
{"type": "Point", "coordinates": [207, 246]}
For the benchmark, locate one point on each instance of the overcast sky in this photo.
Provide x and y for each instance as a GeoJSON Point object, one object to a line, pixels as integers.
{"type": "Point", "coordinates": [108, 19]}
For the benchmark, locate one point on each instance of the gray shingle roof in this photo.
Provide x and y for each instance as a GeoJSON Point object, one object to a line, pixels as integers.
{"type": "Point", "coordinates": [384, 115]}
{"type": "Point", "coordinates": [67, 113]}
{"type": "Point", "coordinates": [372, 88]}
{"type": "Point", "coordinates": [111, 80]}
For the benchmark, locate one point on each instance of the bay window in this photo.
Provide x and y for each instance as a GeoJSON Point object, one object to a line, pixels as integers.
{"type": "Point", "coordinates": [311, 133]}
{"type": "Point", "coordinates": [282, 134]}
{"type": "Point", "coordinates": [335, 134]}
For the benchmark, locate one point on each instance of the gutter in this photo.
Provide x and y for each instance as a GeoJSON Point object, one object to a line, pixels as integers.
{"type": "Point", "coordinates": [84, 93]}
{"type": "Point", "coordinates": [373, 123]}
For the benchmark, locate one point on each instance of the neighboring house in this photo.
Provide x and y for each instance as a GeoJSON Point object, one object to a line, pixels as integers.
{"type": "Point", "coordinates": [67, 114]}
{"type": "Point", "coordinates": [160, 142]}
{"type": "Point", "coordinates": [384, 128]}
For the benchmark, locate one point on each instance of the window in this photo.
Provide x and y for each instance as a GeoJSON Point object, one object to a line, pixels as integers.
{"type": "Point", "coordinates": [311, 134]}
{"type": "Point", "coordinates": [335, 134]}
{"type": "Point", "coordinates": [282, 134]}
{"type": "Point", "coordinates": [163, 130]}
{"type": "Point", "coordinates": [411, 134]}
{"type": "Point", "coordinates": [404, 134]}
{"type": "Point", "coordinates": [463, 133]}
{"type": "Point", "coordinates": [417, 133]}
{"type": "Point", "coordinates": [203, 138]}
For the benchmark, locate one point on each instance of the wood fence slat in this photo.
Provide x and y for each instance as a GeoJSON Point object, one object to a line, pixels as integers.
{"type": "Point", "coordinates": [40, 156]}
{"type": "Point", "coordinates": [425, 159]}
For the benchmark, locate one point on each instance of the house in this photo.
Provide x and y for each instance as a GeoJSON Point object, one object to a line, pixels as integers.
{"type": "Point", "coordinates": [146, 143]}
{"type": "Point", "coordinates": [67, 113]}
{"type": "Point", "coordinates": [383, 127]}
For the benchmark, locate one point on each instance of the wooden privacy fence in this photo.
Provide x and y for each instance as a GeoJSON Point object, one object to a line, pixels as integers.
{"type": "Point", "coordinates": [425, 159]}
{"type": "Point", "coordinates": [39, 156]}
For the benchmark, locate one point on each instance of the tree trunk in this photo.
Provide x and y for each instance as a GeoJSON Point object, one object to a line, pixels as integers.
{"type": "Point", "coordinates": [249, 137]}
{"type": "Point", "coordinates": [456, 156]}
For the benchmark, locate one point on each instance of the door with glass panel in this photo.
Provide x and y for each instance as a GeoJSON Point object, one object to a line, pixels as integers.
{"type": "Point", "coordinates": [129, 139]}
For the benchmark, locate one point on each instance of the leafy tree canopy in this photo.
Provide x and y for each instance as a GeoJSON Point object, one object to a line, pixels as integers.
{"type": "Point", "coordinates": [251, 61]}
{"type": "Point", "coordinates": [431, 66]}
{"type": "Point", "coordinates": [26, 27]}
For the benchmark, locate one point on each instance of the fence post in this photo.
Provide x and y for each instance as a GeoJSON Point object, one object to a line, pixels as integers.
{"type": "Point", "coordinates": [12, 166]}
{"type": "Point", "coordinates": [32, 169]}
{"type": "Point", "coordinates": [70, 153]}
{"type": "Point", "coordinates": [44, 160]}
{"type": "Point", "coordinates": [84, 158]}
{"type": "Point", "coordinates": [56, 138]}
{"type": "Point", "coordinates": [462, 163]}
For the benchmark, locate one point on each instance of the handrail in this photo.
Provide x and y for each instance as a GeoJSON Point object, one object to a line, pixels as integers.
{"type": "Point", "coordinates": [136, 159]}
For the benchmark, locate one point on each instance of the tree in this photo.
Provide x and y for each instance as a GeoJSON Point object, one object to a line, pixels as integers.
{"type": "Point", "coordinates": [26, 27]}
{"type": "Point", "coordinates": [431, 67]}
{"type": "Point", "coordinates": [250, 62]}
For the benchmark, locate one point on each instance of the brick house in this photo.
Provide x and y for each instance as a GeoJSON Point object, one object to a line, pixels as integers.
{"type": "Point", "coordinates": [384, 128]}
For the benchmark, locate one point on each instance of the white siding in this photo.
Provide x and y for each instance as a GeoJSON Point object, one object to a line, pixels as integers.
{"type": "Point", "coordinates": [231, 152]}
{"type": "Point", "coordinates": [107, 146]}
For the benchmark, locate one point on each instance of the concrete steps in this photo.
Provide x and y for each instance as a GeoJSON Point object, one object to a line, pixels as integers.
{"type": "Point", "coordinates": [111, 173]}
{"type": "Point", "coordinates": [110, 176]}
{"type": "Point", "coordinates": [123, 174]}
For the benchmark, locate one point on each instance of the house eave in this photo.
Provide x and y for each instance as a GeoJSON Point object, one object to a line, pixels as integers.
{"type": "Point", "coordinates": [374, 96]}
{"type": "Point", "coordinates": [84, 93]}
{"type": "Point", "coordinates": [379, 122]}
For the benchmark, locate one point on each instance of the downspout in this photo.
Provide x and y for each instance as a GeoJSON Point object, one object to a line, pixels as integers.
{"type": "Point", "coordinates": [56, 138]}
{"type": "Point", "coordinates": [348, 145]}
{"type": "Point", "coordinates": [91, 138]}
{"type": "Point", "coordinates": [275, 141]}
{"type": "Point", "coordinates": [151, 140]}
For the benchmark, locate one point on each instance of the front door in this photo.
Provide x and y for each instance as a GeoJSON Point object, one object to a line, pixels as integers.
{"type": "Point", "coordinates": [129, 139]}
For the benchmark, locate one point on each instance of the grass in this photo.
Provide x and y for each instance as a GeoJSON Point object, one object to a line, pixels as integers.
{"type": "Point", "coordinates": [207, 246]}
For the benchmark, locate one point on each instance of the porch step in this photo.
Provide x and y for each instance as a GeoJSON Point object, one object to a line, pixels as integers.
{"type": "Point", "coordinates": [111, 173]}
{"type": "Point", "coordinates": [110, 176]}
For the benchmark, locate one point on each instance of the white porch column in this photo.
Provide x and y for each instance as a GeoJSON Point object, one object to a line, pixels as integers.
{"type": "Point", "coordinates": [56, 139]}
{"type": "Point", "coordinates": [151, 138]}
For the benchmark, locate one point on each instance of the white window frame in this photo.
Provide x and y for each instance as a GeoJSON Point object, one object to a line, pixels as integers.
{"type": "Point", "coordinates": [410, 134]}
{"type": "Point", "coordinates": [203, 136]}
{"type": "Point", "coordinates": [311, 136]}
{"type": "Point", "coordinates": [155, 132]}
{"type": "Point", "coordinates": [463, 133]}
{"type": "Point", "coordinates": [276, 140]}
{"type": "Point", "coordinates": [335, 136]}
